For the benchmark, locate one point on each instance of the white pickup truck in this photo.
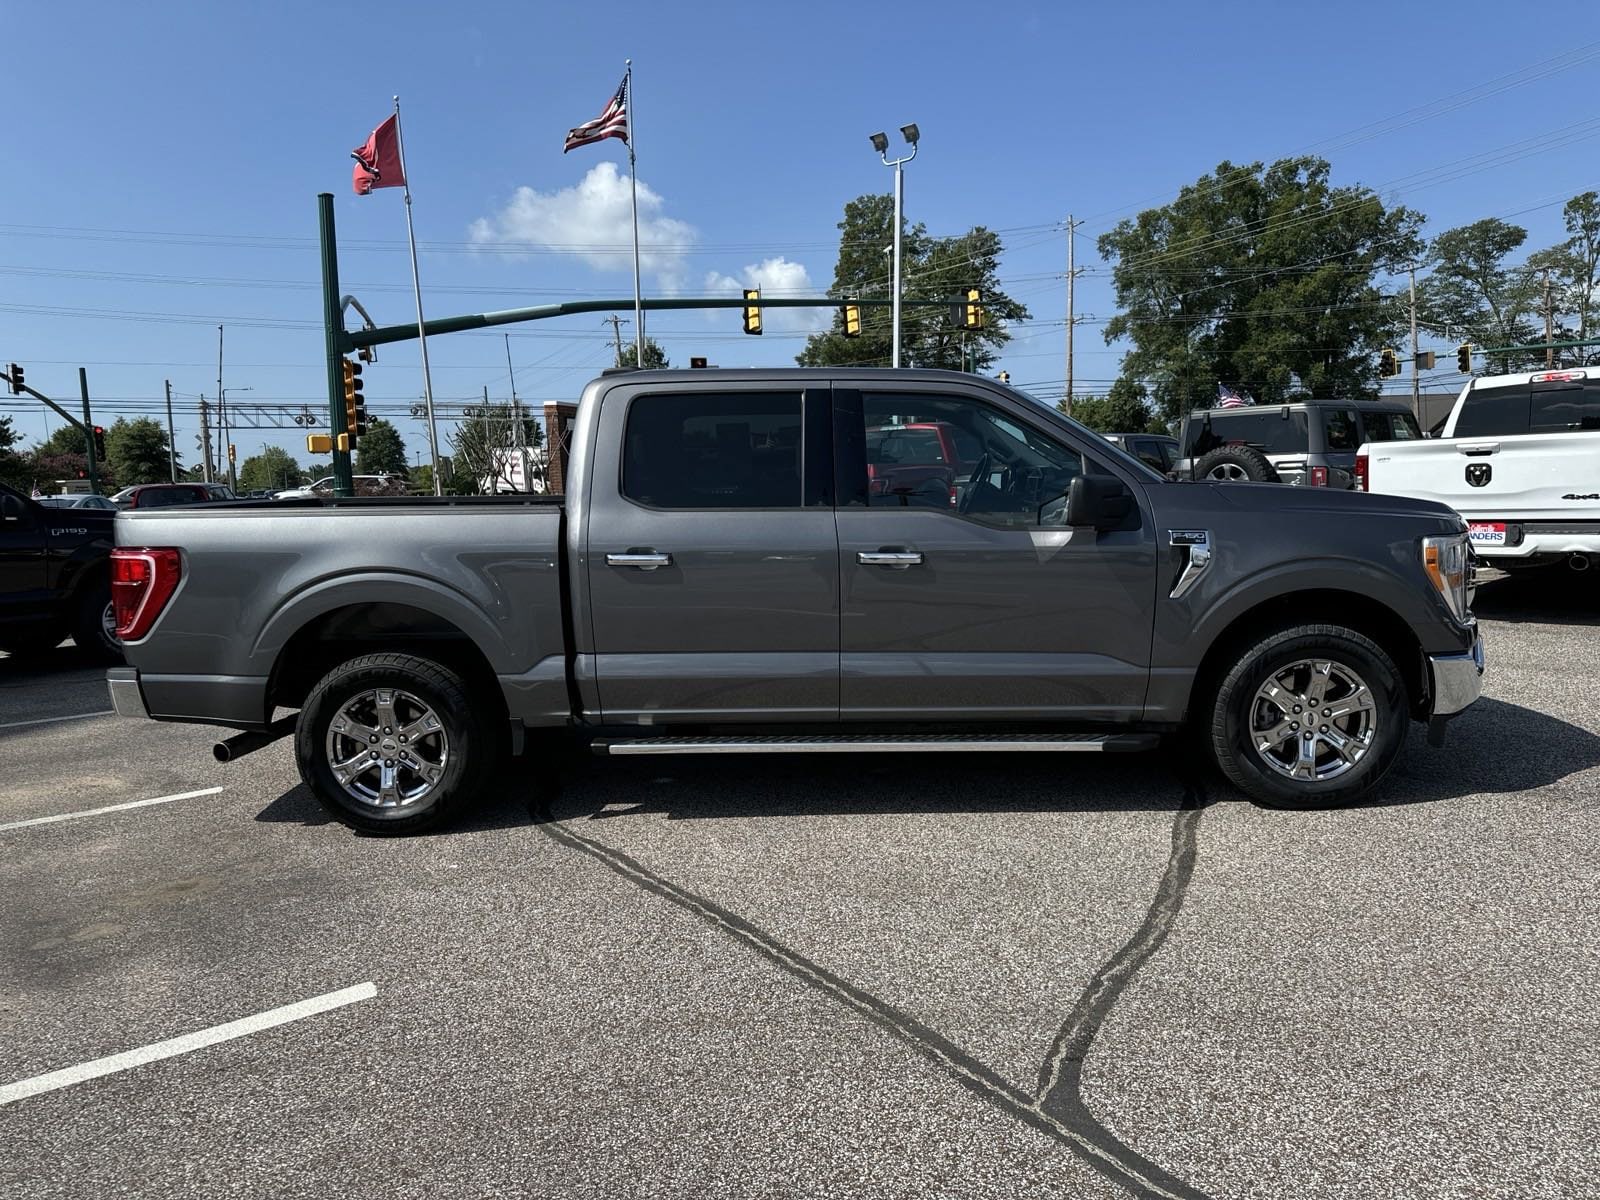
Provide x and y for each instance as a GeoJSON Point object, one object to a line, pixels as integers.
{"type": "Point", "coordinates": [1519, 459]}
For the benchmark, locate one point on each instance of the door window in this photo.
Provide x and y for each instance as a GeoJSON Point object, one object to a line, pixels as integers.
{"type": "Point", "coordinates": [1340, 430]}
{"type": "Point", "coordinates": [1390, 427]}
{"type": "Point", "coordinates": [969, 460]}
{"type": "Point", "coordinates": [713, 450]}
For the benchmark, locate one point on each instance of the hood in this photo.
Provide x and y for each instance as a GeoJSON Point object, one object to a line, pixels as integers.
{"type": "Point", "coordinates": [1335, 502]}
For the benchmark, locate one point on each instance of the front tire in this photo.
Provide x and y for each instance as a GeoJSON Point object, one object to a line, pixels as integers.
{"type": "Point", "coordinates": [394, 744]}
{"type": "Point", "coordinates": [1311, 716]}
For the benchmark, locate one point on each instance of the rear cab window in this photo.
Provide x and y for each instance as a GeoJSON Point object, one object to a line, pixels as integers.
{"type": "Point", "coordinates": [1563, 405]}
{"type": "Point", "coordinates": [1499, 411]}
{"type": "Point", "coordinates": [1390, 427]}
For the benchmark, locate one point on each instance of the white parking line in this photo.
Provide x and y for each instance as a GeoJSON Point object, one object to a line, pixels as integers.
{"type": "Point", "coordinates": [110, 808]}
{"type": "Point", "coordinates": [24, 1088]}
{"type": "Point", "coordinates": [52, 720]}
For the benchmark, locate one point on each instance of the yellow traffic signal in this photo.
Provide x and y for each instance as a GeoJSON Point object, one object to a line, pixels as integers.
{"type": "Point", "coordinates": [1464, 358]}
{"type": "Point", "coordinates": [972, 315]}
{"type": "Point", "coordinates": [752, 310]}
{"type": "Point", "coordinates": [852, 320]}
{"type": "Point", "coordinates": [319, 443]}
{"type": "Point", "coordinates": [355, 404]}
{"type": "Point", "coordinates": [1388, 363]}
{"type": "Point", "coordinates": [233, 452]}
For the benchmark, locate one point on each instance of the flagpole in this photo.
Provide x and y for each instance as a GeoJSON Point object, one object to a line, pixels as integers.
{"type": "Point", "coordinates": [416, 287]}
{"type": "Point", "coordinates": [633, 179]}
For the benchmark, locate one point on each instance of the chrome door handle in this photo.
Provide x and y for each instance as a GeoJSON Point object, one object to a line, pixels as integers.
{"type": "Point", "coordinates": [900, 559]}
{"type": "Point", "coordinates": [642, 562]}
{"type": "Point", "coordinates": [1478, 449]}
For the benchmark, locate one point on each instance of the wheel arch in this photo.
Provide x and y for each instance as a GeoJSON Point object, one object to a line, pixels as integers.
{"type": "Point", "coordinates": [1320, 606]}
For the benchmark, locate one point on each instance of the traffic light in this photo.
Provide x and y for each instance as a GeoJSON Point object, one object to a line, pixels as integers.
{"type": "Point", "coordinates": [852, 320]}
{"type": "Point", "coordinates": [14, 385]}
{"type": "Point", "coordinates": [1463, 358]}
{"type": "Point", "coordinates": [100, 442]}
{"type": "Point", "coordinates": [972, 316]}
{"type": "Point", "coordinates": [1388, 363]}
{"type": "Point", "coordinates": [1005, 376]}
{"type": "Point", "coordinates": [355, 404]}
{"type": "Point", "coordinates": [752, 310]}
{"type": "Point", "coordinates": [233, 453]}
{"type": "Point", "coordinates": [698, 364]}
{"type": "Point", "coordinates": [319, 443]}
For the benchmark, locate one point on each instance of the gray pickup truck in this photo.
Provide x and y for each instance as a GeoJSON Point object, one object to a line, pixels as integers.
{"type": "Point", "coordinates": [729, 571]}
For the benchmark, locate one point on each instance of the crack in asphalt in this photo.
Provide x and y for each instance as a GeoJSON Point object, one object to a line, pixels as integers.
{"type": "Point", "coordinates": [1057, 1109]}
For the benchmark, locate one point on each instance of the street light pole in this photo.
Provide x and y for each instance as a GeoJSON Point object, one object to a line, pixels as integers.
{"type": "Point", "coordinates": [880, 143]}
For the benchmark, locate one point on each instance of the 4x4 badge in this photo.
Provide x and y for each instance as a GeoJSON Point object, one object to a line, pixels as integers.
{"type": "Point", "coordinates": [1479, 474]}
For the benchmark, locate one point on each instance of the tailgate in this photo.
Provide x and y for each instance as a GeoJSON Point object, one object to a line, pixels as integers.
{"type": "Point", "coordinates": [1532, 477]}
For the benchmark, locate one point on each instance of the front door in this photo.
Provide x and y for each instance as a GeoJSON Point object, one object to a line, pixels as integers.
{"type": "Point", "coordinates": [968, 597]}
{"type": "Point", "coordinates": [712, 560]}
{"type": "Point", "coordinates": [22, 570]}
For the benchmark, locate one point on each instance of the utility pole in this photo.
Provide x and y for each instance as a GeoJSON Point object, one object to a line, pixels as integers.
{"type": "Point", "coordinates": [172, 443]}
{"type": "Point", "coordinates": [516, 419]}
{"type": "Point", "coordinates": [1549, 316]}
{"type": "Point", "coordinates": [1416, 385]}
{"type": "Point", "coordinates": [1072, 275]}
{"type": "Point", "coordinates": [488, 445]}
{"type": "Point", "coordinates": [205, 440]}
{"type": "Point", "coordinates": [88, 429]}
{"type": "Point", "coordinates": [616, 330]}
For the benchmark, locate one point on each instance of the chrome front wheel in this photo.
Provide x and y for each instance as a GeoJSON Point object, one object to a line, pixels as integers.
{"type": "Point", "coordinates": [1313, 720]}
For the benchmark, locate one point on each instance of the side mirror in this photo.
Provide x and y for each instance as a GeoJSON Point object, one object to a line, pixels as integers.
{"type": "Point", "coordinates": [1099, 501]}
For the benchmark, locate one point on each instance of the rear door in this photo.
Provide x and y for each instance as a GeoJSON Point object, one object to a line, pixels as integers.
{"type": "Point", "coordinates": [990, 609]}
{"type": "Point", "coordinates": [712, 559]}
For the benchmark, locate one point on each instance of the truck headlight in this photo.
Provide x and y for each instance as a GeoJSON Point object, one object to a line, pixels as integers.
{"type": "Point", "coordinates": [1447, 561]}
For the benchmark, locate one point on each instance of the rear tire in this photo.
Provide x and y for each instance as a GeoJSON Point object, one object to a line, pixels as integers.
{"type": "Point", "coordinates": [1236, 464]}
{"type": "Point", "coordinates": [393, 744]}
{"type": "Point", "coordinates": [94, 628]}
{"type": "Point", "coordinates": [1311, 716]}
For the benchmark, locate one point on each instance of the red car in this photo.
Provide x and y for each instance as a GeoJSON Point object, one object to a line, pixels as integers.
{"type": "Point", "coordinates": [913, 461]}
{"type": "Point", "coordinates": [166, 495]}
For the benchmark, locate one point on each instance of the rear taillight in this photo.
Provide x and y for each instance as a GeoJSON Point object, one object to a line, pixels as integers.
{"type": "Point", "coordinates": [1361, 472]}
{"type": "Point", "coordinates": [143, 579]}
{"type": "Point", "coordinates": [1319, 476]}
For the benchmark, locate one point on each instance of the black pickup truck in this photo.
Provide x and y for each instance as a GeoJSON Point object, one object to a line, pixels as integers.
{"type": "Point", "coordinates": [54, 577]}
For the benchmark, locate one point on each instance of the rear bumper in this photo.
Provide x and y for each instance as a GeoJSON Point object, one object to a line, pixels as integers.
{"type": "Point", "coordinates": [236, 701]}
{"type": "Point", "coordinates": [1457, 679]}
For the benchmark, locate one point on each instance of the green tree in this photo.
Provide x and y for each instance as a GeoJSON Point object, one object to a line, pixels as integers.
{"type": "Point", "coordinates": [484, 447]}
{"type": "Point", "coordinates": [1474, 295]}
{"type": "Point", "coordinates": [381, 450]}
{"type": "Point", "coordinates": [1125, 409]}
{"type": "Point", "coordinates": [654, 355]}
{"type": "Point", "coordinates": [68, 439]}
{"type": "Point", "coordinates": [422, 479]}
{"type": "Point", "coordinates": [931, 269]}
{"type": "Point", "coordinates": [274, 469]}
{"type": "Point", "coordinates": [16, 469]}
{"type": "Point", "coordinates": [1264, 277]}
{"type": "Point", "coordinates": [137, 451]}
{"type": "Point", "coordinates": [1573, 270]}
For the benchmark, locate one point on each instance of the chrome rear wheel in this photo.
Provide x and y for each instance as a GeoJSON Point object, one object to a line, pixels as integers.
{"type": "Point", "coordinates": [387, 748]}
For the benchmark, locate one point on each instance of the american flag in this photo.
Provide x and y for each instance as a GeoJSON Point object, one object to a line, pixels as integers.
{"type": "Point", "coordinates": [1228, 397]}
{"type": "Point", "coordinates": [613, 122]}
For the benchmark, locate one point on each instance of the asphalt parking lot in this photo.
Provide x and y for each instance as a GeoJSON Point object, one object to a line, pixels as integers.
{"type": "Point", "coordinates": [1004, 976]}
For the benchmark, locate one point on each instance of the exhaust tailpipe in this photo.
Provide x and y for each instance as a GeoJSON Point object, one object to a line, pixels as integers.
{"type": "Point", "coordinates": [252, 740]}
{"type": "Point", "coordinates": [1579, 562]}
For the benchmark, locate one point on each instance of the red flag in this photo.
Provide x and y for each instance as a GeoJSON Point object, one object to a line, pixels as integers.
{"type": "Point", "coordinates": [378, 162]}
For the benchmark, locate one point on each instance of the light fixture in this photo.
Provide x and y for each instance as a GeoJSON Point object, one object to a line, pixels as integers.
{"type": "Point", "coordinates": [911, 134]}
{"type": "Point", "coordinates": [880, 143]}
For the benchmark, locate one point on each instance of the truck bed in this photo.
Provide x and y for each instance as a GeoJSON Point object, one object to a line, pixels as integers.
{"type": "Point", "coordinates": [260, 576]}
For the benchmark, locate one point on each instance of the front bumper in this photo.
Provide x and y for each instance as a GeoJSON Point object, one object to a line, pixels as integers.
{"type": "Point", "coordinates": [1457, 679]}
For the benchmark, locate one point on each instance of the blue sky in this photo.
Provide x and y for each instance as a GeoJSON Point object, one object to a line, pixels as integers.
{"type": "Point", "coordinates": [162, 163]}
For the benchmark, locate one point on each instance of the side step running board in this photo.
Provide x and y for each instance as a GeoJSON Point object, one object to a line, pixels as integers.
{"type": "Point", "coordinates": [880, 744]}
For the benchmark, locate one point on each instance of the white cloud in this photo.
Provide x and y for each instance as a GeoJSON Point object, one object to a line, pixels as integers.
{"type": "Point", "coordinates": [776, 277]}
{"type": "Point", "coordinates": [592, 220]}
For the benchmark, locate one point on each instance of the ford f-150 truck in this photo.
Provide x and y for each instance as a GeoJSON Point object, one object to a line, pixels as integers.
{"type": "Point", "coordinates": [720, 577]}
{"type": "Point", "coordinates": [1520, 460]}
